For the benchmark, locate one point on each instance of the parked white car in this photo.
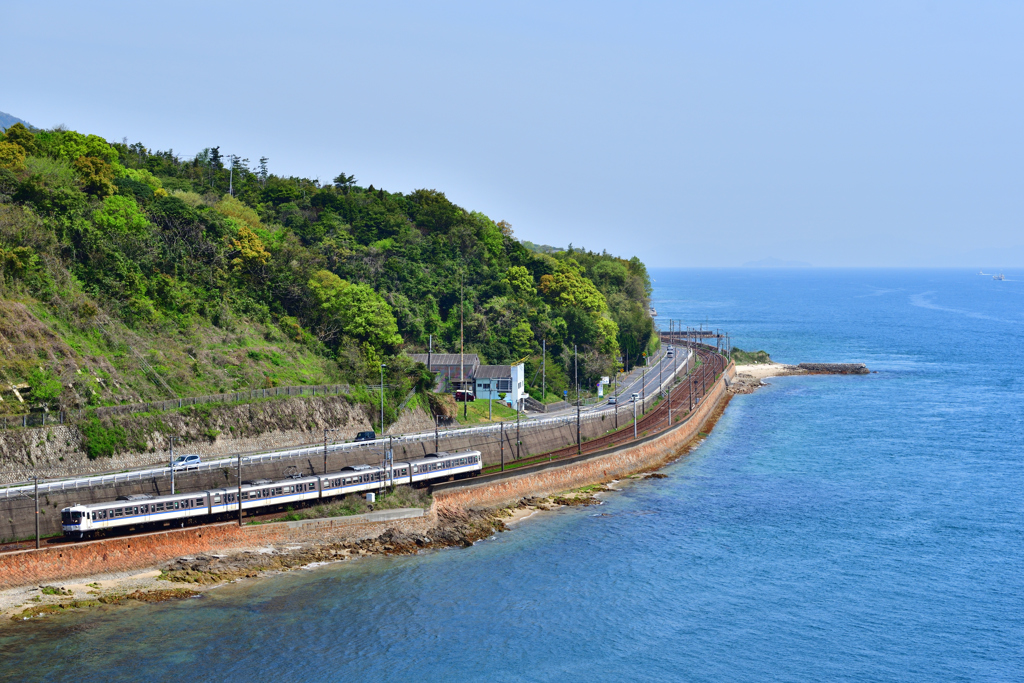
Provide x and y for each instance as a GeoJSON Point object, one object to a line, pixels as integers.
{"type": "Point", "coordinates": [186, 462]}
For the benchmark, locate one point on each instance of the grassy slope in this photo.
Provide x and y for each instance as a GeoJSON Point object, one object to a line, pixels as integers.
{"type": "Point", "coordinates": [98, 359]}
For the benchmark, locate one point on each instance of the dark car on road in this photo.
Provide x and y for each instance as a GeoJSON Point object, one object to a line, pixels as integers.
{"type": "Point", "coordinates": [366, 436]}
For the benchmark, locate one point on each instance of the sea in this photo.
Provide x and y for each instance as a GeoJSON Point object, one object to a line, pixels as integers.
{"type": "Point", "coordinates": [830, 528]}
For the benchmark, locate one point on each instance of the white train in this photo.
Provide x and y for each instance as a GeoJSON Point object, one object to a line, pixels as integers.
{"type": "Point", "coordinates": [142, 511]}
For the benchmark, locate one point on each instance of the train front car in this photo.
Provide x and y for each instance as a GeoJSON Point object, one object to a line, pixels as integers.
{"type": "Point", "coordinates": [76, 521]}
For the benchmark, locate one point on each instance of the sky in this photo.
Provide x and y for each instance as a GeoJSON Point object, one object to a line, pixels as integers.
{"type": "Point", "coordinates": [685, 133]}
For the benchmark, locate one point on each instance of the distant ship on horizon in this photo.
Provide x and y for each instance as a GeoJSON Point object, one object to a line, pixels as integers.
{"type": "Point", "coordinates": [999, 277]}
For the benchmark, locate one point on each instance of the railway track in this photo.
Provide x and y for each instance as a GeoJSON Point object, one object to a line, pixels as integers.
{"type": "Point", "coordinates": [684, 397]}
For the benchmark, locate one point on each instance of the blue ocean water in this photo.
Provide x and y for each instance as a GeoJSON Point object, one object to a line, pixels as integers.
{"type": "Point", "coordinates": [831, 528]}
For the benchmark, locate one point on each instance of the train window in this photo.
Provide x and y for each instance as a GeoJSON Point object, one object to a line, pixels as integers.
{"type": "Point", "coordinates": [143, 509]}
{"type": "Point", "coordinates": [216, 499]}
{"type": "Point", "coordinates": [117, 512]}
{"type": "Point", "coordinates": [135, 510]}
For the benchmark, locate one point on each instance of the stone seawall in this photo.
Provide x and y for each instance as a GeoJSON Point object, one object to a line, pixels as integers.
{"type": "Point", "coordinates": [129, 553]}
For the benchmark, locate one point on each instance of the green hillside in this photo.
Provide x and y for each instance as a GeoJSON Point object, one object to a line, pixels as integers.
{"type": "Point", "coordinates": [130, 274]}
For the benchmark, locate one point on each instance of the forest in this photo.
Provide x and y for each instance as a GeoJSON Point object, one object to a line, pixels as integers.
{"type": "Point", "coordinates": [128, 273]}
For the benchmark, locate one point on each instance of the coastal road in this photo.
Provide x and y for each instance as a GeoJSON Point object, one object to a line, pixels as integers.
{"type": "Point", "coordinates": [648, 383]}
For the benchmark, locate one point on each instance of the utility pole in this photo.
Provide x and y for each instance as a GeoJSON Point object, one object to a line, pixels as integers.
{"type": "Point", "coordinates": [615, 394]}
{"type": "Point", "coordinates": [35, 494]}
{"type": "Point", "coordinates": [518, 441]}
{"type": "Point", "coordinates": [643, 385]}
{"type": "Point", "coordinates": [430, 351]}
{"type": "Point", "coordinates": [634, 419]}
{"type": "Point", "coordinates": [383, 366]}
{"type": "Point", "coordinates": [543, 369]}
{"type": "Point", "coordinates": [501, 441]}
{"type": "Point", "coordinates": [240, 489]}
{"type": "Point", "coordinates": [462, 349]}
{"type": "Point", "coordinates": [171, 439]}
{"type": "Point", "coordinates": [576, 371]}
{"type": "Point", "coordinates": [335, 429]}
{"type": "Point", "coordinates": [436, 418]}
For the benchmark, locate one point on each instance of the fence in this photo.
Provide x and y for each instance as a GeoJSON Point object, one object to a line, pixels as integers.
{"type": "Point", "coordinates": [43, 419]}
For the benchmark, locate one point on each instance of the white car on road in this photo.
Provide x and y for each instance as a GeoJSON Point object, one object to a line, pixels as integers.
{"type": "Point", "coordinates": [186, 462]}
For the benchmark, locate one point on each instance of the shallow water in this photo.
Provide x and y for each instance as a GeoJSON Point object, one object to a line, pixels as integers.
{"type": "Point", "coordinates": [831, 528]}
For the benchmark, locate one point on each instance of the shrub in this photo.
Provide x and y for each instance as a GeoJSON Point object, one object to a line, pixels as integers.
{"type": "Point", "coordinates": [102, 441]}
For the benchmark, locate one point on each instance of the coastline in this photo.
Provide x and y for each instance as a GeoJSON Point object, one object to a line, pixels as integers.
{"type": "Point", "coordinates": [451, 523]}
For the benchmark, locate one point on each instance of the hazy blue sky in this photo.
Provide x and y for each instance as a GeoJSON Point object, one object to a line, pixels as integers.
{"type": "Point", "coordinates": [703, 133]}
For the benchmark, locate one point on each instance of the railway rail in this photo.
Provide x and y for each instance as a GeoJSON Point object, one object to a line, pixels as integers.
{"type": "Point", "coordinates": [685, 395]}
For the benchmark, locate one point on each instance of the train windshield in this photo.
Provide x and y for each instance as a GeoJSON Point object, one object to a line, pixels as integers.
{"type": "Point", "coordinates": [70, 517]}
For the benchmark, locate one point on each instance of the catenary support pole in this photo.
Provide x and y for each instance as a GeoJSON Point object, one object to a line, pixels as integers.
{"type": "Point", "coordinates": [382, 366]}
{"type": "Point", "coordinates": [35, 493]}
{"type": "Point", "coordinates": [239, 494]}
{"type": "Point", "coordinates": [634, 419]}
{"type": "Point", "coordinates": [172, 465]}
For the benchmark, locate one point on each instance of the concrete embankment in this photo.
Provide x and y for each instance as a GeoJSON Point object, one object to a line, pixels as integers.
{"type": "Point", "coordinates": [17, 513]}
{"type": "Point", "coordinates": [128, 553]}
{"type": "Point", "coordinates": [65, 561]}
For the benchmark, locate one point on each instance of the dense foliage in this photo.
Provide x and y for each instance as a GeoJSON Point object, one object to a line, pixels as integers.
{"type": "Point", "coordinates": [355, 274]}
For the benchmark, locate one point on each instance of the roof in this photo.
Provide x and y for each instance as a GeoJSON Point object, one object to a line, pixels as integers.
{"type": "Point", "coordinates": [445, 359]}
{"type": "Point", "coordinates": [493, 372]}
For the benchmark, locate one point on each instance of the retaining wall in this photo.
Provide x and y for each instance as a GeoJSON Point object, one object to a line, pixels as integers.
{"type": "Point", "coordinates": [17, 520]}
{"type": "Point", "coordinates": [64, 562]}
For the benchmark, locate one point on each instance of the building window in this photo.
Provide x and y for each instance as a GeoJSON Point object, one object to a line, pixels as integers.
{"type": "Point", "coordinates": [504, 385]}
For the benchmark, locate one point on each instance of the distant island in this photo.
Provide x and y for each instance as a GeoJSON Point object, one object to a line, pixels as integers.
{"type": "Point", "coordinates": [6, 121]}
{"type": "Point", "coordinates": [776, 263]}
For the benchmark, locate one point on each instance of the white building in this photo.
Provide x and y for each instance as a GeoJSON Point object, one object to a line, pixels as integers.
{"type": "Point", "coordinates": [490, 381]}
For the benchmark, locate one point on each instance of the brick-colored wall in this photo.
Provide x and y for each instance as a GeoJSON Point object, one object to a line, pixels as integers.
{"type": "Point", "coordinates": [60, 563]}
{"type": "Point", "coordinates": [140, 552]}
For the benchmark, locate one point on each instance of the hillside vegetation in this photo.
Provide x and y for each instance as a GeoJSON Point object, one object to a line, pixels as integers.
{"type": "Point", "coordinates": [128, 274]}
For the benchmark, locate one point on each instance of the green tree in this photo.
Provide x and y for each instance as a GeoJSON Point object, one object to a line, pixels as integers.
{"type": "Point", "coordinates": [354, 310]}
{"type": "Point", "coordinates": [19, 135]}
{"type": "Point", "coordinates": [521, 281]}
{"type": "Point", "coordinates": [12, 156]}
{"type": "Point", "coordinates": [121, 216]}
{"type": "Point", "coordinates": [97, 175]}
{"type": "Point", "coordinates": [568, 287]}
{"type": "Point", "coordinates": [68, 145]}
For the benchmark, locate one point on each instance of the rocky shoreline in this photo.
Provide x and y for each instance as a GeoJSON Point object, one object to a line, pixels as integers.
{"type": "Point", "coordinates": [188, 577]}
{"type": "Point", "coordinates": [750, 377]}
